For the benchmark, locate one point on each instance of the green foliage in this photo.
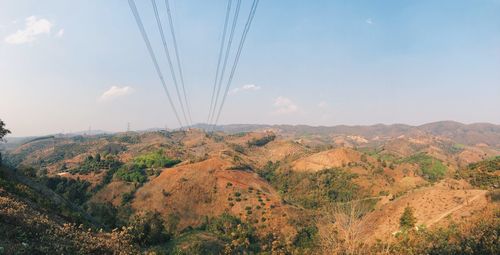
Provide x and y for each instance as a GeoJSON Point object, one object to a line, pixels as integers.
{"type": "Point", "coordinates": [131, 173]}
{"type": "Point", "coordinates": [127, 197]}
{"type": "Point", "coordinates": [239, 236]}
{"type": "Point", "coordinates": [155, 159]}
{"type": "Point", "coordinates": [104, 213]}
{"type": "Point", "coordinates": [131, 139]}
{"type": "Point", "coordinates": [75, 191]}
{"type": "Point", "coordinates": [238, 148]}
{"type": "Point", "coordinates": [269, 170]}
{"type": "Point", "coordinates": [149, 229]}
{"type": "Point", "coordinates": [482, 174]}
{"type": "Point", "coordinates": [407, 220]}
{"type": "Point", "coordinates": [431, 168]}
{"type": "Point", "coordinates": [3, 130]}
{"type": "Point", "coordinates": [96, 164]}
{"type": "Point", "coordinates": [312, 190]}
{"type": "Point", "coordinates": [144, 165]}
{"type": "Point", "coordinates": [481, 237]}
{"type": "Point", "coordinates": [306, 237]}
{"type": "Point", "coordinates": [261, 141]}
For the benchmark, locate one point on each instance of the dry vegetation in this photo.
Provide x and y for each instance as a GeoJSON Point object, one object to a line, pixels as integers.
{"type": "Point", "coordinates": [279, 192]}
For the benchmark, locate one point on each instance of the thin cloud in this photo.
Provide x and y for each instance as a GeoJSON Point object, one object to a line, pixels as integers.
{"type": "Point", "coordinates": [60, 33]}
{"type": "Point", "coordinates": [34, 27]}
{"type": "Point", "coordinates": [247, 87]}
{"type": "Point", "coordinates": [285, 105]}
{"type": "Point", "coordinates": [115, 92]}
{"type": "Point", "coordinates": [369, 21]}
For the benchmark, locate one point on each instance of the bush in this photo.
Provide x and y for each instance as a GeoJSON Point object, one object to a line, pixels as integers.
{"type": "Point", "coordinates": [477, 237]}
{"type": "Point", "coordinates": [76, 191]}
{"type": "Point", "coordinates": [127, 197]}
{"type": "Point", "coordinates": [149, 229]}
{"type": "Point", "coordinates": [482, 174]}
{"type": "Point", "coordinates": [95, 164]}
{"type": "Point", "coordinates": [313, 190]}
{"type": "Point", "coordinates": [431, 168]}
{"type": "Point", "coordinates": [269, 170]}
{"type": "Point", "coordinates": [261, 141]}
{"type": "Point", "coordinates": [240, 237]}
{"type": "Point", "coordinates": [407, 220]}
{"type": "Point", "coordinates": [155, 159]}
{"type": "Point", "coordinates": [306, 237]}
{"type": "Point", "coordinates": [104, 213]}
{"type": "Point", "coordinates": [131, 173]}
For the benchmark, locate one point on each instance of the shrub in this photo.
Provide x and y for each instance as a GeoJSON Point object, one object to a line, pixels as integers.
{"type": "Point", "coordinates": [76, 191]}
{"type": "Point", "coordinates": [482, 174]}
{"type": "Point", "coordinates": [479, 236]}
{"type": "Point", "coordinates": [131, 173]}
{"type": "Point", "coordinates": [155, 159]}
{"type": "Point", "coordinates": [494, 195]}
{"type": "Point", "coordinates": [305, 237]}
{"type": "Point", "coordinates": [431, 168]}
{"type": "Point", "coordinates": [407, 220]}
{"type": "Point", "coordinates": [95, 164]}
{"type": "Point", "coordinates": [313, 190]}
{"type": "Point", "coordinates": [104, 213]}
{"type": "Point", "coordinates": [261, 141]}
{"type": "Point", "coordinates": [149, 229]}
{"type": "Point", "coordinates": [269, 170]}
{"type": "Point", "coordinates": [127, 197]}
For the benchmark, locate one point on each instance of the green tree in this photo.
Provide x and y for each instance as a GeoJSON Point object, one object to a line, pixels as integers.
{"type": "Point", "coordinates": [407, 220]}
{"type": "Point", "coordinates": [3, 133]}
{"type": "Point", "coordinates": [148, 229]}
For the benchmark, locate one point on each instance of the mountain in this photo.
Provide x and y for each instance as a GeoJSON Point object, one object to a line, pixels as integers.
{"type": "Point", "coordinates": [469, 134]}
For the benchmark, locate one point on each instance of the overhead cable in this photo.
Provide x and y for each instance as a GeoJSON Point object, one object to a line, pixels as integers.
{"type": "Point", "coordinates": [138, 20]}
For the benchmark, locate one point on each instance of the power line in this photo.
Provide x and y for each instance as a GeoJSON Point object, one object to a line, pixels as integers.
{"type": "Point", "coordinates": [138, 20]}
{"type": "Point", "coordinates": [228, 51]}
{"type": "Point", "coordinates": [179, 65]}
{"type": "Point", "coordinates": [238, 54]}
{"type": "Point", "coordinates": [169, 59]}
{"type": "Point", "coordinates": [221, 51]}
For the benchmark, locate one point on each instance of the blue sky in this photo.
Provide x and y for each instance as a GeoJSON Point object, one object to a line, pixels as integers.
{"type": "Point", "coordinates": [305, 62]}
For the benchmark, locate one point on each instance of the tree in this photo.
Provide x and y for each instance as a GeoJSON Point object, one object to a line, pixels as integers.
{"type": "Point", "coordinates": [3, 133]}
{"type": "Point", "coordinates": [343, 225]}
{"type": "Point", "coordinates": [407, 220]}
{"type": "Point", "coordinates": [149, 229]}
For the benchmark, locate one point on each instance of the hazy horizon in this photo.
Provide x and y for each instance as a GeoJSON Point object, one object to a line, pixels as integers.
{"type": "Point", "coordinates": [68, 65]}
{"type": "Point", "coordinates": [98, 130]}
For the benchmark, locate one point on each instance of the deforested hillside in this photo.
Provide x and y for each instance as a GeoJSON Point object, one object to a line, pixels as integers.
{"type": "Point", "coordinates": [193, 192]}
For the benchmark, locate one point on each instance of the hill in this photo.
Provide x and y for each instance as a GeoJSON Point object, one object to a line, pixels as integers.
{"type": "Point", "coordinates": [263, 191]}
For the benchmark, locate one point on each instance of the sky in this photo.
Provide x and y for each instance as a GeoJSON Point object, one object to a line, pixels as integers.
{"type": "Point", "coordinates": [67, 65]}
